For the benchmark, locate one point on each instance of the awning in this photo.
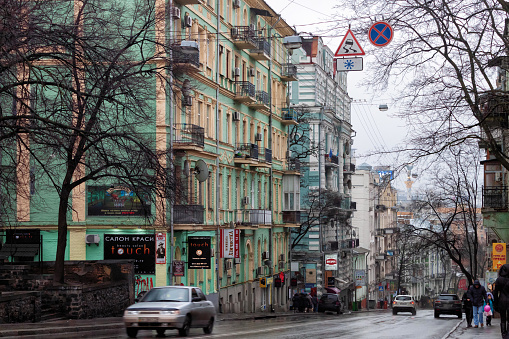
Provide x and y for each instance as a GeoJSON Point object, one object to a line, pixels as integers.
{"type": "Point", "coordinates": [332, 290]}
{"type": "Point", "coordinates": [19, 250]}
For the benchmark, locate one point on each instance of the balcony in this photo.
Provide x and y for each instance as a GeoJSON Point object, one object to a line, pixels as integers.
{"type": "Point", "coordinates": [188, 137]}
{"type": "Point", "coordinates": [262, 101]}
{"type": "Point", "coordinates": [246, 154]}
{"type": "Point", "coordinates": [495, 110]}
{"type": "Point", "coordinates": [188, 2]}
{"type": "Point", "coordinates": [289, 72]}
{"type": "Point", "coordinates": [244, 37]}
{"type": "Point", "coordinates": [291, 217]}
{"type": "Point", "coordinates": [188, 214]}
{"type": "Point", "coordinates": [251, 217]}
{"type": "Point", "coordinates": [264, 158]}
{"type": "Point", "coordinates": [262, 52]}
{"type": "Point", "coordinates": [495, 197]}
{"type": "Point", "coordinates": [290, 116]}
{"type": "Point", "coordinates": [350, 168]}
{"type": "Point", "coordinates": [244, 92]}
{"type": "Point", "coordinates": [293, 165]}
{"type": "Point", "coordinates": [181, 60]}
{"type": "Point", "coordinates": [331, 160]}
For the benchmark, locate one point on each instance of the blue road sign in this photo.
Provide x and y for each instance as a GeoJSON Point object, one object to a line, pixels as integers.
{"type": "Point", "coordinates": [380, 33]}
{"type": "Point", "coordinates": [380, 288]}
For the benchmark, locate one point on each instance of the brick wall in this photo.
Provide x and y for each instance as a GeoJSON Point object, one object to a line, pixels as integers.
{"type": "Point", "coordinates": [17, 307]}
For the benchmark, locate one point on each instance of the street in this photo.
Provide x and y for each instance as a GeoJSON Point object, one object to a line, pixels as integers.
{"type": "Point", "coordinates": [375, 324]}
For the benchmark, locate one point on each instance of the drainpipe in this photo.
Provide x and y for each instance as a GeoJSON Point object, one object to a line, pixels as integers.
{"type": "Point", "coordinates": [170, 109]}
{"type": "Point", "coordinates": [216, 205]}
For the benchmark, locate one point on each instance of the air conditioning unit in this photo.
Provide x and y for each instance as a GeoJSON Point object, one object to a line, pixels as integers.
{"type": "Point", "coordinates": [265, 255]}
{"type": "Point", "coordinates": [236, 116]}
{"type": "Point", "coordinates": [92, 239]}
{"type": "Point", "coordinates": [260, 271]}
{"type": "Point", "coordinates": [175, 13]}
{"type": "Point", "coordinates": [281, 257]}
{"type": "Point", "coordinates": [251, 71]}
{"type": "Point", "coordinates": [258, 137]}
{"type": "Point", "coordinates": [245, 201]}
{"type": "Point", "coordinates": [236, 4]}
{"type": "Point", "coordinates": [228, 264]}
{"type": "Point", "coordinates": [187, 101]}
{"type": "Point", "coordinates": [237, 261]}
{"type": "Point", "coordinates": [234, 33]}
{"type": "Point", "coordinates": [236, 72]}
{"type": "Point", "coordinates": [188, 22]}
{"type": "Point", "coordinates": [498, 176]}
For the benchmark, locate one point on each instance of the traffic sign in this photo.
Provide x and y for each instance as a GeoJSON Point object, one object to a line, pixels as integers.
{"type": "Point", "coordinates": [380, 288]}
{"type": "Point", "coordinates": [349, 46]}
{"type": "Point", "coordinates": [380, 33]}
{"type": "Point", "coordinates": [349, 64]}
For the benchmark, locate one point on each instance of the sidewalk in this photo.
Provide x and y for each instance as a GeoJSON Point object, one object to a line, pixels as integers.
{"type": "Point", "coordinates": [81, 325]}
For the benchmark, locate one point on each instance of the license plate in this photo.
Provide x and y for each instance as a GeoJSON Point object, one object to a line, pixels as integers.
{"type": "Point", "coordinates": [148, 320]}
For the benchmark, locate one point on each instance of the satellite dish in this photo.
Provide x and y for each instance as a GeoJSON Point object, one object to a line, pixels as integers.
{"type": "Point", "coordinates": [186, 168]}
{"type": "Point", "coordinates": [201, 171]}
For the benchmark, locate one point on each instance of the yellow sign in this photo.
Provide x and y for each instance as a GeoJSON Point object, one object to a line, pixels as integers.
{"type": "Point", "coordinates": [498, 255]}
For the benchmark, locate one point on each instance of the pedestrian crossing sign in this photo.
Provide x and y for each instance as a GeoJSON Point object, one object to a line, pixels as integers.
{"type": "Point", "coordinates": [349, 46]}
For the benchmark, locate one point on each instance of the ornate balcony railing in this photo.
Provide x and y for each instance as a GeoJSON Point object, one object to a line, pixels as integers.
{"type": "Point", "coordinates": [495, 197]}
{"type": "Point", "coordinates": [289, 72]}
{"type": "Point", "coordinates": [246, 151]}
{"type": "Point", "coordinates": [189, 134]}
{"type": "Point", "coordinates": [244, 89]}
{"type": "Point", "coordinates": [253, 217]}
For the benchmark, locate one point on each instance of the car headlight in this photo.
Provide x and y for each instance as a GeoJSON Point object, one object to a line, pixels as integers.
{"type": "Point", "coordinates": [129, 312]}
{"type": "Point", "coordinates": [169, 312]}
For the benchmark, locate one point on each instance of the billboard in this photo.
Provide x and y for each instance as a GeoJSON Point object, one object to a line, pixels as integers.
{"type": "Point", "coordinates": [230, 243]}
{"type": "Point", "coordinates": [199, 250]}
{"type": "Point", "coordinates": [116, 201]}
{"type": "Point", "coordinates": [139, 247]}
{"type": "Point", "coordinates": [498, 256]}
{"type": "Point", "coordinates": [331, 262]}
{"type": "Point", "coordinates": [161, 248]}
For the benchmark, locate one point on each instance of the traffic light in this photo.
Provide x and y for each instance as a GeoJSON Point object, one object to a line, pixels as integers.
{"type": "Point", "coordinates": [293, 282]}
{"type": "Point", "coordinates": [277, 282]}
{"type": "Point", "coordinates": [263, 282]}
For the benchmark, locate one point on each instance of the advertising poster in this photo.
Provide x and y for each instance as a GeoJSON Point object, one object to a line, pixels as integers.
{"type": "Point", "coordinates": [199, 253]}
{"type": "Point", "coordinates": [360, 277]}
{"type": "Point", "coordinates": [178, 268]}
{"type": "Point", "coordinates": [115, 201]}
{"type": "Point", "coordinates": [230, 243]}
{"type": "Point", "coordinates": [139, 247]}
{"type": "Point", "coordinates": [160, 248]}
{"type": "Point", "coordinates": [331, 262]}
{"type": "Point", "coordinates": [498, 255]}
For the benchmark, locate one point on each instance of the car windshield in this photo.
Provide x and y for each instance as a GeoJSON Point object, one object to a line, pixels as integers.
{"type": "Point", "coordinates": [448, 297]}
{"type": "Point", "coordinates": [167, 294]}
{"type": "Point", "coordinates": [403, 298]}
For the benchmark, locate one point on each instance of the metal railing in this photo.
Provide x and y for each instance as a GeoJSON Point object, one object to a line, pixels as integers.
{"type": "Point", "coordinates": [290, 114]}
{"type": "Point", "coordinates": [266, 155]}
{"type": "Point", "coordinates": [244, 89]}
{"type": "Point", "coordinates": [243, 33]}
{"type": "Point", "coordinates": [246, 151]}
{"type": "Point", "coordinates": [182, 58]}
{"type": "Point", "coordinates": [189, 134]}
{"type": "Point", "coordinates": [494, 197]}
{"type": "Point", "coordinates": [263, 46]}
{"type": "Point", "coordinates": [188, 214]}
{"type": "Point", "coordinates": [293, 164]}
{"type": "Point", "coordinates": [289, 70]}
{"type": "Point", "coordinates": [253, 217]}
{"type": "Point", "coordinates": [262, 97]}
{"type": "Point", "coordinates": [331, 160]}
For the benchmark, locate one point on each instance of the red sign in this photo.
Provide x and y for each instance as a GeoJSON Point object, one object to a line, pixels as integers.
{"type": "Point", "coordinates": [462, 284]}
{"type": "Point", "coordinates": [331, 261]}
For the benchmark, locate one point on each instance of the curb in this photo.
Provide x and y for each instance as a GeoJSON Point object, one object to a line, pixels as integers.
{"type": "Point", "coordinates": [56, 329]}
{"type": "Point", "coordinates": [453, 329]}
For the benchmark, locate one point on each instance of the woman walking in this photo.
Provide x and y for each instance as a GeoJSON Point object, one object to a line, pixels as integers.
{"type": "Point", "coordinates": [501, 294]}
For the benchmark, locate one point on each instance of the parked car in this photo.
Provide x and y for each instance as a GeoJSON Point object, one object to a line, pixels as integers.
{"type": "Point", "coordinates": [170, 307]}
{"type": "Point", "coordinates": [330, 302]}
{"type": "Point", "coordinates": [404, 303]}
{"type": "Point", "coordinates": [447, 304]}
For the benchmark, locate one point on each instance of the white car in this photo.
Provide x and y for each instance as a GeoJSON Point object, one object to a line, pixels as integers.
{"type": "Point", "coordinates": [170, 307]}
{"type": "Point", "coordinates": [404, 303]}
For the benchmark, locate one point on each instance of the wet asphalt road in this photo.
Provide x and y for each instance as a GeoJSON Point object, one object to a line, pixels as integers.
{"type": "Point", "coordinates": [376, 325]}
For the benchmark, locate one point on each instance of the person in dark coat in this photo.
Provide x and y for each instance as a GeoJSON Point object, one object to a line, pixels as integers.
{"type": "Point", "coordinates": [477, 295]}
{"type": "Point", "coordinates": [467, 306]}
{"type": "Point", "coordinates": [501, 302]}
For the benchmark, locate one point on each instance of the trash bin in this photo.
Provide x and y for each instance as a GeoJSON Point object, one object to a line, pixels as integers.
{"type": "Point", "coordinates": [372, 304]}
{"type": "Point", "coordinates": [354, 306]}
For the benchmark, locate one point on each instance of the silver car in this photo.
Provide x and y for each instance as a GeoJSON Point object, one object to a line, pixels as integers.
{"type": "Point", "coordinates": [404, 303]}
{"type": "Point", "coordinates": [170, 307]}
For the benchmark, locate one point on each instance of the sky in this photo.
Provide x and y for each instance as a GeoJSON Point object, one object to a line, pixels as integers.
{"type": "Point", "coordinates": [374, 129]}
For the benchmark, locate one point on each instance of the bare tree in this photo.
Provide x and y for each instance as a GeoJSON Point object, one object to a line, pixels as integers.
{"type": "Point", "coordinates": [78, 97]}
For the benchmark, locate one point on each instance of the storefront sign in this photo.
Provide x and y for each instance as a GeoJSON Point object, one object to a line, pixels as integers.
{"type": "Point", "coordinates": [116, 201]}
{"type": "Point", "coordinates": [230, 243]}
{"type": "Point", "coordinates": [331, 262]}
{"type": "Point", "coordinates": [139, 247]}
{"type": "Point", "coordinates": [22, 236]}
{"type": "Point", "coordinates": [178, 268]}
{"type": "Point", "coordinates": [160, 248]}
{"type": "Point", "coordinates": [199, 252]}
{"type": "Point", "coordinates": [498, 255]}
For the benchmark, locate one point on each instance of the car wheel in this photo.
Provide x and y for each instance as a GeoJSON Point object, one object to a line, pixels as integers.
{"type": "Point", "coordinates": [437, 314]}
{"type": "Point", "coordinates": [160, 331]}
{"type": "Point", "coordinates": [184, 331]}
{"type": "Point", "coordinates": [338, 310]}
{"type": "Point", "coordinates": [210, 326]}
{"type": "Point", "coordinates": [394, 312]}
{"type": "Point", "coordinates": [132, 332]}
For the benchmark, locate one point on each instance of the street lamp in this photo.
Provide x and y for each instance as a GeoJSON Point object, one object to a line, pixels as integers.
{"type": "Point", "coordinates": [383, 107]}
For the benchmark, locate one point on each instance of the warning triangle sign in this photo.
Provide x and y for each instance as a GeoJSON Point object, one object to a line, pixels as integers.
{"type": "Point", "coordinates": [349, 46]}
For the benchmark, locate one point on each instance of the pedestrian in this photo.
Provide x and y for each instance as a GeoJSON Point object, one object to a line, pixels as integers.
{"type": "Point", "coordinates": [315, 303]}
{"type": "Point", "coordinates": [489, 313]}
{"type": "Point", "coordinates": [467, 306]}
{"type": "Point", "coordinates": [501, 298]}
{"type": "Point", "coordinates": [296, 302]}
{"type": "Point", "coordinates": [477, 295]}
{"type": "Point", "coordinates": [309, 303]}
